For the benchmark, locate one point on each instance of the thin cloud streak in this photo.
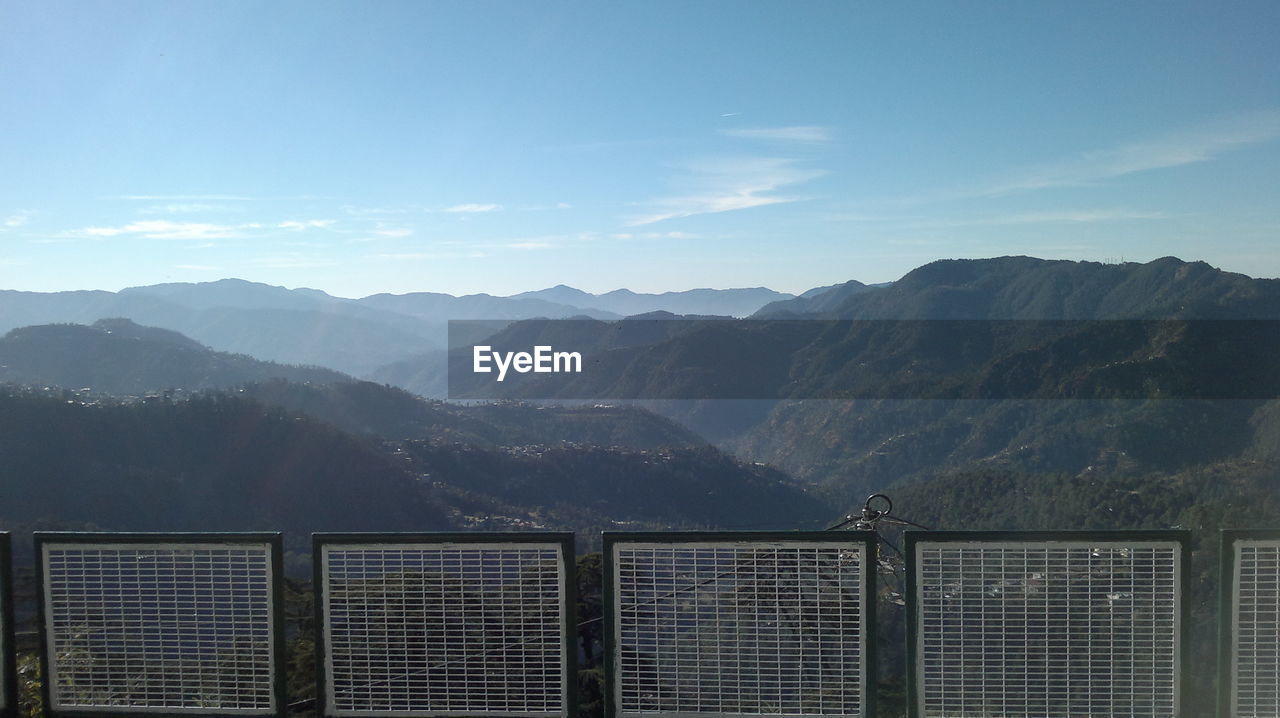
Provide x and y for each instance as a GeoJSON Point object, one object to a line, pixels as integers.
{"type": "Point", "coordinates": [473, 208]}
{"type": "Point", "coordinates": [422, 256]}
{"type": "Point", "coordinates": [797, 133]}
{"type": "Point", "coordinates": [654, 235]}
{"type": "Point", "coordinates": [379, 211]}
{"type": "Point", "coordinates": [1047, 217]}
{"type": "Point", "coordinates": [291, 260]}
{"type": "Point", "coordinates": [1171, 149]}
{"type": "Point", "coordinates": [609, 145]}
{"type": "Point", "coordinates": [181, 208]}
{"type": "Point", "coordinates": [296, 225]}
{"type": "Point", "coordinates": [186, 198]}
{"type": "Point", "coordinates": [164, 229]}
{"type": "Point", "coordinates": [1074, 217]}
{"type": "Point", "coordinates": [726, 185]}
{"type": "Point", "coordinates": [18, 219]}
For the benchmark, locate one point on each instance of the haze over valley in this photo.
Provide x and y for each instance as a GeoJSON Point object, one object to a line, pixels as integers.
{"type": "Point", "coordinates": [822, 455]}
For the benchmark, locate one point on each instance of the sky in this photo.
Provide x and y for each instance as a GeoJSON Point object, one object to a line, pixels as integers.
{"type": "Point", "coordinates": [501, 147]}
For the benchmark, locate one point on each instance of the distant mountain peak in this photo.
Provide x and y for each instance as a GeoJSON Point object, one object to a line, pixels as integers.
{"type": "Point", "coordinates": [703, 301]}
{"type": "Point", "coordinates": [1019, 287]}
{"type": "Point", "coordinates": [559, 294]}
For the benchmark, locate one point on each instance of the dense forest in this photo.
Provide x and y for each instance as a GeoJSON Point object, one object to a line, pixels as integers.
{"type": "Point", "coordinates": [226, 461]}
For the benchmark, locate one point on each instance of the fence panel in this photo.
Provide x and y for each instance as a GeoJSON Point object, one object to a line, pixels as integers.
{"type": "Point", "coordinates": [1249, 664]}
{"type": "Point", "coordinates": [468, 624]}
{"type": "Point", "coordinates": [739, 624]}
{"type": "Point", "coordinates": [161, 623]}
{"type": "Point", "coordinates": [1046, 624]}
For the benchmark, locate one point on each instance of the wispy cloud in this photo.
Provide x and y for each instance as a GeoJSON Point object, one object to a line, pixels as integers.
{"type": "Point", "coordinates": [198, 267]}
{"type": "Point", "coordinates": [1171, 149]}
{"type": "Point", "coordinates": [795, 133]}
{"type": "Point", "coordinates": [164, 229]}
{"type": "Point", "coordinates": [380, 231]}
{"type": "Point", "coordinates": [380, 211]}
{"type": "Point", "coordinates": [654, 235]}
{"type": "Point", "coordinates": [187, 197]}
{"type": "Point", "coordinates": [291, 260]}
{"type": "Point", "coordinates": [405, 256]}
{"type": "Point", "coordinates": [181, 208]}
{"type": "Point", "coordinates": [611, 145]}
{"type": "Point", "coordinates": [473, 208]}
{"type": "Point", "coordinates": [297, 225]}
{"type": "Point", "coordinates": [1081, 216]}
{"type": "Point", "coordinates": [18, 218]}
{"type": "Point", "coordinates": [423, 256]}
{"type": "Point", "coordinates": [728, 184]}
{"type": "Point", "coordinates": [383, 230]}
{"type": "Point", "coordinates": [1073, 217]}
{"type": "Point", "coordinates": [528, 242]}
{"type": "Point", "coordinates": [543, 207]}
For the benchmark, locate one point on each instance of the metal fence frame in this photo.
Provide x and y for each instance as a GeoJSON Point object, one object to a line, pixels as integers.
{"type": "Point", "coordinates": [278, 658]}
{"type": "Point", "coordinates": [867, 540]}
{"type": "Point", "coordinates": [8, 650]}
{"type": "Point", "coordinates": [914, 539]}
{"type": "Point", "coordinates": [565, 543]}
{"type": "Point", "coordinates": [1227, 611]}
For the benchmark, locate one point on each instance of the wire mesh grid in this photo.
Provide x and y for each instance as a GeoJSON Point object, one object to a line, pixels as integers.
{"type": "Point", "coordinates": [165, 627]}
{"type": "Point", "coordinates": [1255, 623]}
{"type": "Point", "coordinates": [445, 629]}
{"type": "Point", "coordinates": [740, 628]}
{"type": "Point", "coordinates": [1048, 629]}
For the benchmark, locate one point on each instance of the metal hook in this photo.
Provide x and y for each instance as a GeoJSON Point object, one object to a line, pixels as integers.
{"type": "Point", "coordinates": [871, 515]}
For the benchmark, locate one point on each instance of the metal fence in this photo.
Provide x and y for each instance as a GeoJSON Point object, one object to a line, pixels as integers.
{"type": "Point", "coordinates": [1249, 665]}
{"type": "Point", "coordinates": [739, 624]}
{"type": "Point", "coordinates": [150, 623]}
{"type": "Point", "coordinates": [1047, 624]}
{"type": "Point", "coordinates": [446, 624]}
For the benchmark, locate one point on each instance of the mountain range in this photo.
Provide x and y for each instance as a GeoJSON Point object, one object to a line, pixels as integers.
{"type": "Point", "coordinates": [1078, 396]}
{"type": "Point", "coordinates": [624, 302]}
{"type": "Point", "coordinates": [356, 336]}
{"type": "Point", "coordinates": [842, 448]}
{"type": "Point", "coordinates": [1030, 288]}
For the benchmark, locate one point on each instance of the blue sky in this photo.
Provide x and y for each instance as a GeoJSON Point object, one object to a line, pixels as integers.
{"type": "Point", "coordinates": [506, 146]}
